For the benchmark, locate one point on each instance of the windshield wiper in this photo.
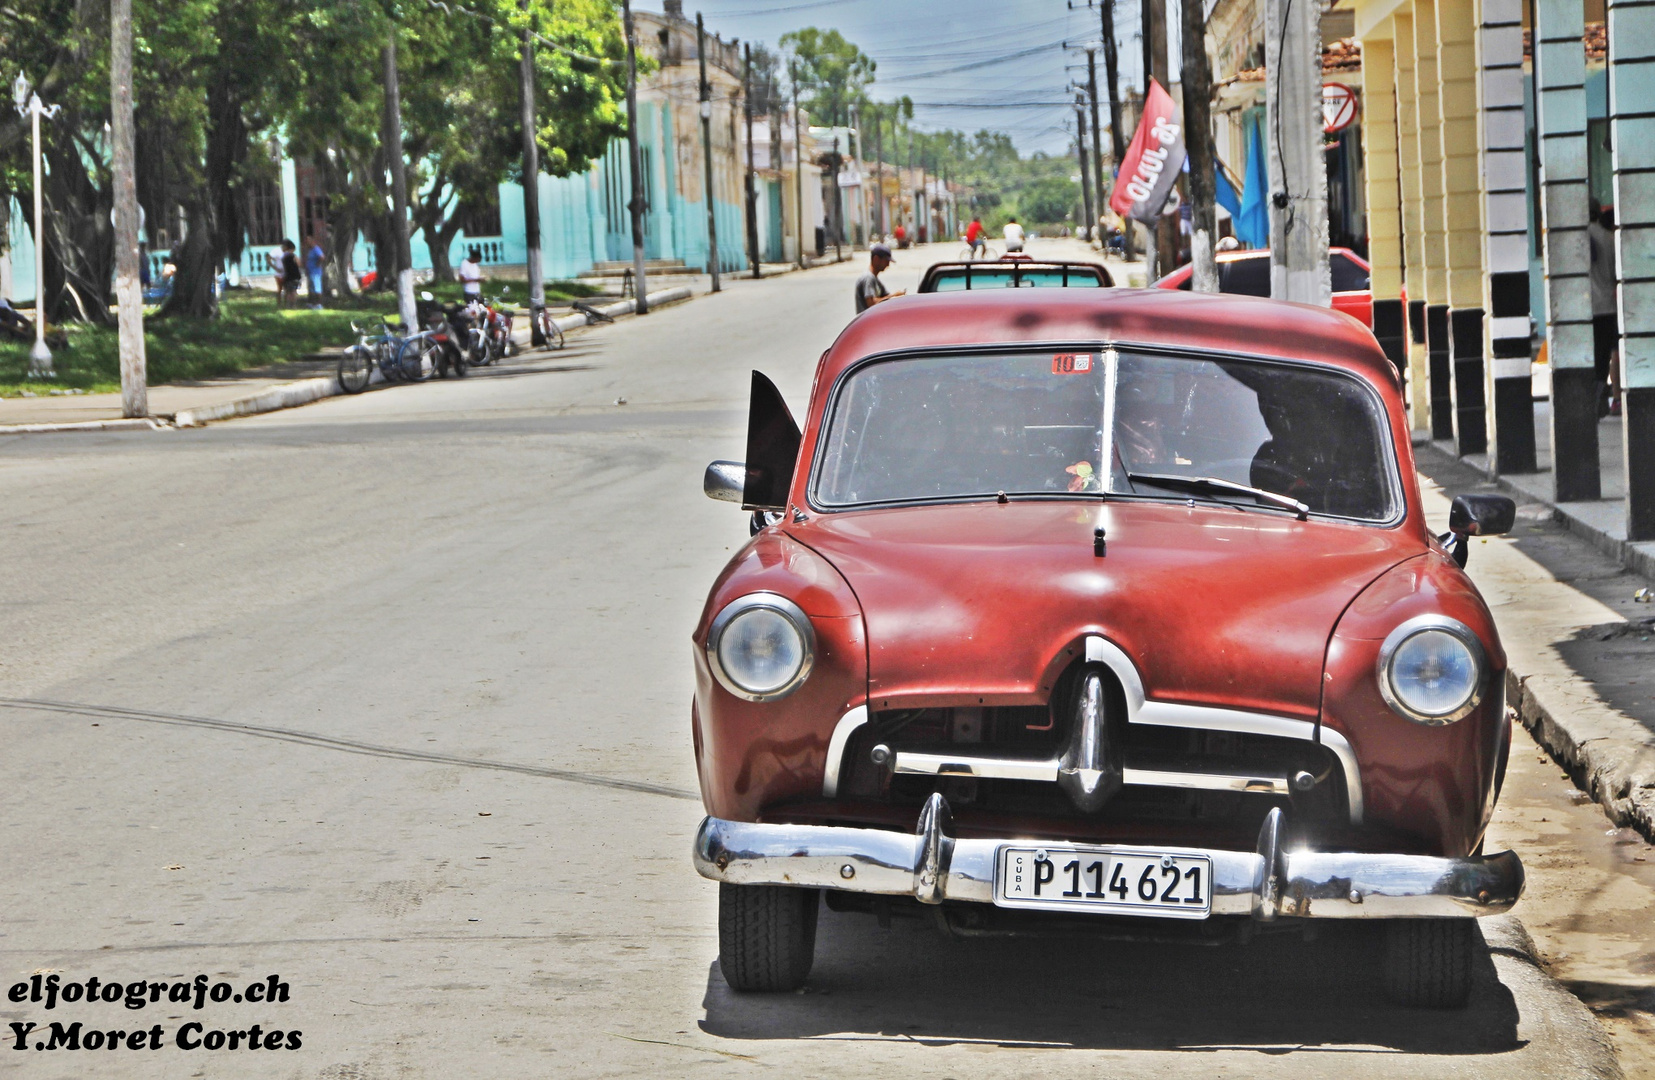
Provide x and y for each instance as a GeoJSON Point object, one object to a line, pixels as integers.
{"type": "Point", "coordinates": [1213, 483]}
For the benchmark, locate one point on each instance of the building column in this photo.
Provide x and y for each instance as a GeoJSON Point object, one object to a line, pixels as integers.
{"type": "Point", "coordinates": [1560, 117]}
{"type": "Point", "coordinates": [1462, 218]}
{"type": "Point", "coordinates": [1506, 237]}
{"type": "Point", "coordinates": [1379, 152]}
{"type": "Point", "coordinates": [1632, 137]}
{"type": "Point", "coordinates": [1438, 348]}
{"type": "Point", "coordinates": [1413, 217]}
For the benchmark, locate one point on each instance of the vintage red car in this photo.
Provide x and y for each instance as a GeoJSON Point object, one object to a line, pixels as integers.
{"type": "Point", "coordinates": [1115, 607]}
{"type": "Point", "coordinates": [1247, 273]}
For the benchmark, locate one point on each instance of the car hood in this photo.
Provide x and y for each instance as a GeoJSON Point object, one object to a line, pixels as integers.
{"type": "Point", "coordinates": [987, 601]}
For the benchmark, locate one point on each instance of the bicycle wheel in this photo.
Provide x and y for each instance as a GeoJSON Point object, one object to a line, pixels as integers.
{"type": "Point", "coordinates": [418, 358]}
{"type": "Point", "coordinates": [386, 354]}
{"type": "Point", "coordinates": [549, 330]}
{"type": "Point", "coordinates": [355, 367]}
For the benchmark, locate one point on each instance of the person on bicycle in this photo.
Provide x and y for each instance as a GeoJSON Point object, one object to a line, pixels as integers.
{"type": "Point", "coordinates": [1014, 236]}
{"type": "Point", "coordinates": [974, 236]}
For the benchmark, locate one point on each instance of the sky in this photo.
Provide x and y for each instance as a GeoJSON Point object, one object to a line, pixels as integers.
{"type": "Point", "coordinates": [968, 64]}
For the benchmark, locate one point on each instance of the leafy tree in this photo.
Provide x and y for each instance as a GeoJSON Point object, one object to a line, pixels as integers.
{"type": "Point", "coordinates": [1048, 200]}
{"type": "Point", "coordinates": [832, 72]}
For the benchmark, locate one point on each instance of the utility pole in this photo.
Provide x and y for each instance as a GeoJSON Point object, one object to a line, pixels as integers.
{"type": "Point", "coordinates": [707, 150]}
{"type": "Point", "coordinates": [1080, 148]}
{"type": "Point", "coordinates": [798, 163]}
{"type": "Point", "coordinates": [836, 215]}
{"type": "Point", "coordinates": [1097, 139]}
{"type": "Point", "coordinates": [1198, 144]}
{"type": "Point", "coordinates": [531, 187]}
{"type": "Point", "coordinates": [1117, 136]}
{"type": "Point", "coordinates": [1297, 170]}
{"type": "Point", "coordinates": [1163, 235]}
{"type": "Point", "coordinates": [399, 187]}
{"type": "Point", "coordinates": [635, 160]}
{"type": "Point", "coordinates": [129, 291]}
{"type": "Point", "coordinates": [752, 191]}
{"type": "Point", "coordinates": [882, 223]}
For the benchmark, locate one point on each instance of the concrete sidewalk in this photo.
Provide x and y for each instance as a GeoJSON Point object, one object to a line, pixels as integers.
{"type": "Point", "coordinates": [1601, 522]}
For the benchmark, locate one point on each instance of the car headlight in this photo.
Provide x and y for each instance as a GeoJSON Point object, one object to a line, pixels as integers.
{"type": "Point", "coordinates": [761, 647]}
{"type": "Point", "coordinates": [1431, 670]}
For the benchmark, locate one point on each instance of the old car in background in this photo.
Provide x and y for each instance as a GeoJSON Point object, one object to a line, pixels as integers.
{"type": "Point", "coordinates": [1111, 607]}
{"type": "Point", "coordinates": [1247, 273]}
{"type": "Point", "coordinates": [1014, 272]}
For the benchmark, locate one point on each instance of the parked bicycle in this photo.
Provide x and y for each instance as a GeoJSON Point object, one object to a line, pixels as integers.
{"type": "Point", "coordinates": [593, 315]}
{"type": "Point", "coordinates": [356, 366]}
{"type": "Point", "coordinates": [550, 332]}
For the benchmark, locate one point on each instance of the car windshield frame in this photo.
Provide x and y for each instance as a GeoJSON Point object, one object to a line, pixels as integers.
{"type": "Point", "coordinates": [1109, 353]}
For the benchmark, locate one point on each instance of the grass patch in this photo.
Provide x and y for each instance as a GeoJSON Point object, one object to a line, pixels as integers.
{"type": "Point", "coordinates": [251, 331]}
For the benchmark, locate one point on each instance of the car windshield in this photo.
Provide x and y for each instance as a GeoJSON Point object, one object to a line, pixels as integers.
{"type": "Point", "coordinates": [1008, 277]}
{"type": "Point", "coordinates": [1038, 423]}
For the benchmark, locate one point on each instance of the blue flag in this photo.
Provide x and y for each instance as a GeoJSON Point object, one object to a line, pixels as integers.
{"type": "Point", "coordinates": [1224, 193]}
{"type": "Point", "coordinates": [1253, 222]}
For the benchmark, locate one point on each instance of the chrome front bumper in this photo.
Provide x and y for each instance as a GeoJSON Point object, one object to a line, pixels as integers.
{"type": "Point", "coordinates": [932, 866]}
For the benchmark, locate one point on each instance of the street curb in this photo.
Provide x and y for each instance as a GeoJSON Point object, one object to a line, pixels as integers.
{"type": "Point", "coordinates": [138, 424]}
{"type": "Point", "coordinates": [284, 396]}
{"type": "Point", "coordinates": [1630, 555]}
{"type": "Point", "coordinates": [1573, 1025]}
{"type": "Point", "coordinates": [1608, 754]}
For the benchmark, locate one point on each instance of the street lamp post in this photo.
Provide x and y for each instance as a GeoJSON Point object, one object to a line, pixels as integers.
{"type": "Point", "coordinates": [29, 104]}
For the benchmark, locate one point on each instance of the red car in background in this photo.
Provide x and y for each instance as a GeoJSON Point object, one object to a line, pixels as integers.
{"type": "Point", "coordinates": [1247, 273]}
{"type": "Point", "coordinates": [1111, 607]}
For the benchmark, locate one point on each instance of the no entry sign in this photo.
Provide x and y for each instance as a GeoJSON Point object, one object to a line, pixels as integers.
{"type": "Point", "coordinates": [1338, 107]}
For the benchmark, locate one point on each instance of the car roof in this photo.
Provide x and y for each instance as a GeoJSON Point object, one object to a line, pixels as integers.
{"type": "Point", "coordinates": [1169, 318]}
{"type": "Point", "coordinates": [1010, 265]}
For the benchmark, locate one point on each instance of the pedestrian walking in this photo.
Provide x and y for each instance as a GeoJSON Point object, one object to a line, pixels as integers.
{"type": "Point", "coordinates": [869, 289]}
{"type": "Point", "coordinates": [315, 261]}
{"type": "Point", "coordinates": [1600, 236]}
{"type": "Point", "coordinates": [288, 276]}
{"type": "Point", "coordinates": [471, 274]}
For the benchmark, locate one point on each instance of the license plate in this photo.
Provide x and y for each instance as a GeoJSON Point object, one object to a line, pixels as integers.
{"type": "Point", "coordinates": [1171, 884]}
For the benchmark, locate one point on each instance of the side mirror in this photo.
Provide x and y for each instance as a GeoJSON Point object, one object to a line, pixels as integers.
{"type": "Point", "coordinates": [505, 290]}
{"type": "Point", "coordinates": [1481, 515]}
{"type": "Point", "coordinates": [725, 481]}
{"type": "Point", "coordinates": [1476, 515]}
{"type": "Point", "coordinates": [355, 329]}
{"type": "Point", "coordinates": [425, 294]}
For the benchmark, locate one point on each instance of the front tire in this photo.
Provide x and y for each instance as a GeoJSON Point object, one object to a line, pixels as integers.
{"type": "Point", "coordinates": [766, 936]}
{"type": "Point", "coordinates": [355, 368]}
{"type": "Point", "coordinates": [1428, 962]}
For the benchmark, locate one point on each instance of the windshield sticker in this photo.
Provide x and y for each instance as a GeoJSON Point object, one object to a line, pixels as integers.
{"type": "Point", "coordinates": [1071, 363]}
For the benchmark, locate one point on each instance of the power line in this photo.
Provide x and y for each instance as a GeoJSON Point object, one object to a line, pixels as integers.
{"type": "Point", "coordinates": [980, 63]}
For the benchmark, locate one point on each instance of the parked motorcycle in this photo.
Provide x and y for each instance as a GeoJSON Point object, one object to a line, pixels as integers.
{"type": "Point", "coordinates": [443, 348]}
{"type": "Point", "coordinates": [491, 331]}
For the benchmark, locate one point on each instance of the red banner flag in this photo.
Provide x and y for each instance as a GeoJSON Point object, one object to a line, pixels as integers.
{"type": "Point", "coordinates": [1153, 161]}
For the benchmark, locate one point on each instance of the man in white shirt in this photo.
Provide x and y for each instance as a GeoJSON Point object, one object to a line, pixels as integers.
{"type": "Point", "coordinates": [1014, 236]}
{"type": "Point", "coordinates": [471, 274]}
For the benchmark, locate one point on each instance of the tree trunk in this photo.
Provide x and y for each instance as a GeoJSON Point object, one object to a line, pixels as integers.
{"type": "Point", "coordinates": [198, 264]}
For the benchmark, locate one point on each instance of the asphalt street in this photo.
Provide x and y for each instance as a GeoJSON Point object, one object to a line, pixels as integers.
{"type": "Point", "coordinates": [388, 697]}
